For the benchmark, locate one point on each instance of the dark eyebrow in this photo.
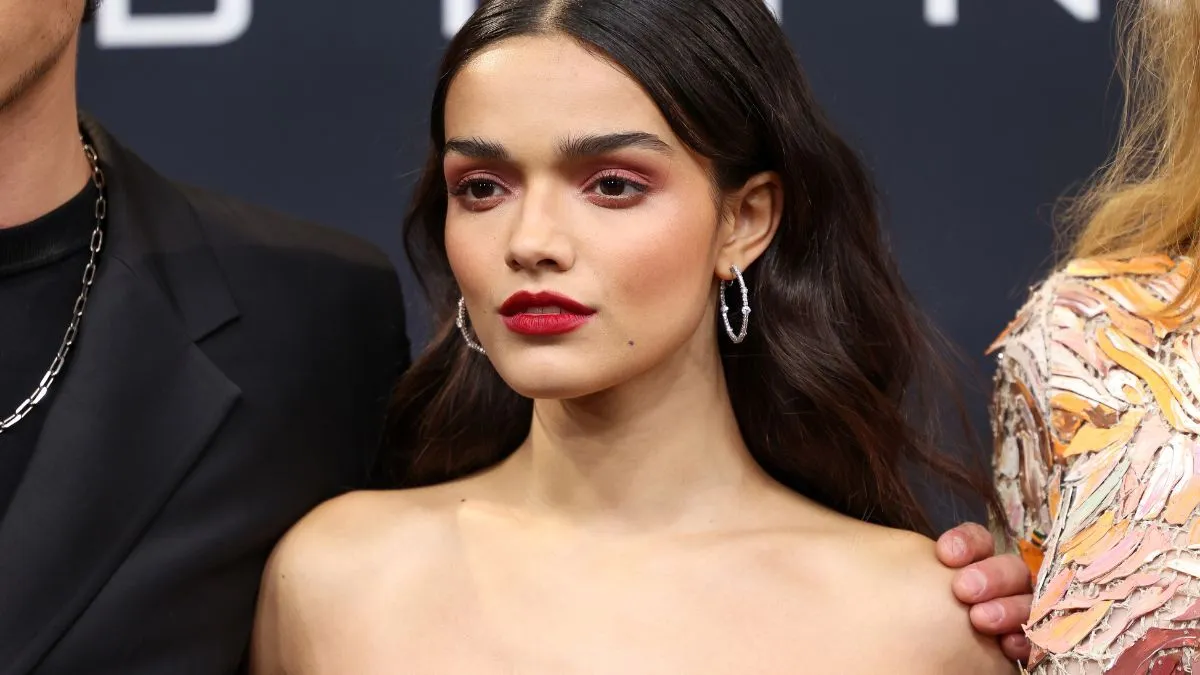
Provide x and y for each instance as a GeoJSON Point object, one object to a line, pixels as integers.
{"type": "Point", "coordinates": [602, 144]}
{"type": "Point", "coordinates": [476, 148]}
{"type": "Point", "coordinates": [573, 148]}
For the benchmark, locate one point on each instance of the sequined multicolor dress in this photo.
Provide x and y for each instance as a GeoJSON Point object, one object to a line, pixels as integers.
{"type": "Point", "coordinates": [1097, 425]}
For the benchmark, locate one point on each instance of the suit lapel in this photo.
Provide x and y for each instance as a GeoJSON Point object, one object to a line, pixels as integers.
{"type": "Point", "coordinates": [135, 408]}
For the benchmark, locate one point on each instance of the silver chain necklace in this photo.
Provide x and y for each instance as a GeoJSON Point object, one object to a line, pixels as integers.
{"type": "Point", "coordinates": [89, 275]}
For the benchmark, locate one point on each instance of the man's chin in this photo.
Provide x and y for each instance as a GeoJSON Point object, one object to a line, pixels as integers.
{"type": "Point", "coordinates": [30, 77]}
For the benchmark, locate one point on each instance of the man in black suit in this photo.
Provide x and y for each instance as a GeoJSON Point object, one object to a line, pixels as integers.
{"type": "Point", "coordinates": [161, 427]}
{"type": "Point", "coordinates": [182, 377]}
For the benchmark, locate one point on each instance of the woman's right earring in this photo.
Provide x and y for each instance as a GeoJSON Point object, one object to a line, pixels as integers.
{"type": "Point", "coordinates": [736, 338]}
{"type": "Point", "coordinates": [461, 322]}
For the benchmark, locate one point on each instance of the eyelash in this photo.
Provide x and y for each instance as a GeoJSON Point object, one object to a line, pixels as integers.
{"type": "Point", "coordinates": [464, 186]}
{"type": "Point", "coordinates": [638, 186]}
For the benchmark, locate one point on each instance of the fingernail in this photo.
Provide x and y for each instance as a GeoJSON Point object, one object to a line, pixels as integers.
{"type": "Point", "coordinates": [1019, 642]}
{"type": "Point", "coordinates": [973, 582]}
{"type": "Point", "coordinates": [992, 612]}
{"type": "Point", "coordinates": [958, 547]}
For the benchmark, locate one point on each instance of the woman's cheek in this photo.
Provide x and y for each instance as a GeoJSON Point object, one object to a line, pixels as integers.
{"type": "Point", "coordinates": [468, 255]}
{"type": "Point", "coordinates": [667, 265]}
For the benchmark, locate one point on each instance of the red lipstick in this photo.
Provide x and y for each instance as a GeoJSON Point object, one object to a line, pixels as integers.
{"type": "Point", "coordinates": [543, 313]}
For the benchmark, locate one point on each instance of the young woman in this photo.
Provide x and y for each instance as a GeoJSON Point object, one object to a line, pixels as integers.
{"type": "Point", "coordinates": [664, 428]}
{"type": "Point", "coordinates": [1097, 411]}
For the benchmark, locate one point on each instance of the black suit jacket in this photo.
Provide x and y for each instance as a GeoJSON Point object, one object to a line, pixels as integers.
{"type": "Point", "coordinates": [231, 373]}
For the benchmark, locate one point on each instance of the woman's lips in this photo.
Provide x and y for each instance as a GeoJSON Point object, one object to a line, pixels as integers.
{"type": "Point", "coordinates": [543, 313]}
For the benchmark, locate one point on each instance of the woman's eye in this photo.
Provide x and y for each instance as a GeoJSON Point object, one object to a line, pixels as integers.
{"type": "Point", "coordinates": [479, 194]}
{"type": "Point", "coordinates": [615, 187]}
{"type": "Point", "coordinates": [482, 189]}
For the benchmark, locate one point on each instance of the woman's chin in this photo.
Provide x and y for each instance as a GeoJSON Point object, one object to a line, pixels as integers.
{"type": "Point", "coordinates": [558, 386]}
{"type": "Point", "coordinates": [553, 378]}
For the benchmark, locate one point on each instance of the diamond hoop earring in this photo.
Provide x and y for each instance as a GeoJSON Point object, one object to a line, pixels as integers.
{"type": "Point", "coordinates": [736, 338]}
{"type": "Point", "coordinates": [461, 322]}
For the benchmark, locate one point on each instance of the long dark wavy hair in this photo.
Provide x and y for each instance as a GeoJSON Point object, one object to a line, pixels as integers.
{"type": "Point", "coordinates": [826, 386]}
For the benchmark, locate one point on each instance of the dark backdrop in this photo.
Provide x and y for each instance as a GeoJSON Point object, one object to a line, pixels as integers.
{"type": "Point", "coordinates": [975, 116]}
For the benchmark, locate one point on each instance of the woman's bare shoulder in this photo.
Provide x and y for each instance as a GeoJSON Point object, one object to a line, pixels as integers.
{"type": "Point", "coordinates": [882, 596]}
{"type": "Point", "coordinates": [346, 550]}
{"type": "Point", "coordinates": [363, 538]}
{"type": "Point", "coordinates": [346, 530]}
{"type": "Point", "coordinates": [921, 623]}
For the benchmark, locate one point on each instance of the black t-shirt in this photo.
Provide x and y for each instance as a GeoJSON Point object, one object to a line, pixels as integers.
{"type": "Point", "coordinates": [41, 275]}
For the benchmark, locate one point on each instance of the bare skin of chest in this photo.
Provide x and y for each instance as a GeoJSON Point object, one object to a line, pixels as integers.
{"type": "Point", "coordinates": [605, 608]}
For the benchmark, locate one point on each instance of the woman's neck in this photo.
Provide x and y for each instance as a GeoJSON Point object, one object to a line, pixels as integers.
{"type": "Point", "coordinates": [662, 451]}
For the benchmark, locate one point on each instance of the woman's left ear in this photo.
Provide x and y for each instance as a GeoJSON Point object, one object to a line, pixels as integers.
{"type": "Point", "coordinates": [750, 220]}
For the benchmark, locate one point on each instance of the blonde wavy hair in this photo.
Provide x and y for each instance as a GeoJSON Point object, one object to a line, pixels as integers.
{"type": "Point", "coordinates": [1146, 200]}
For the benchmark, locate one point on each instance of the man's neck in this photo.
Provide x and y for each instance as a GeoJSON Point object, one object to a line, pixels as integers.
{"type": "Point", "coordinates": [42, 164]}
